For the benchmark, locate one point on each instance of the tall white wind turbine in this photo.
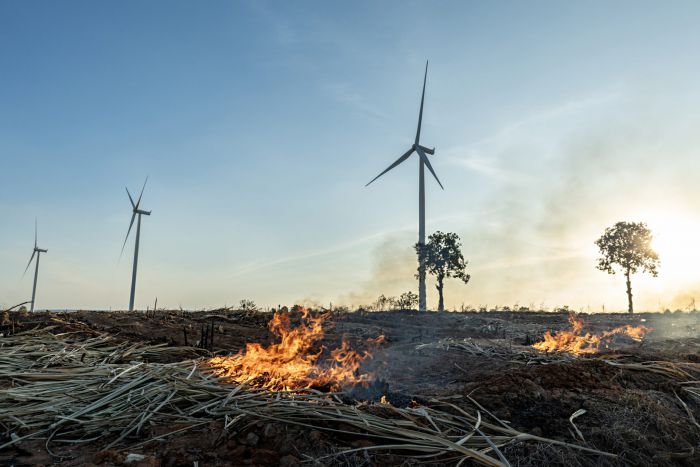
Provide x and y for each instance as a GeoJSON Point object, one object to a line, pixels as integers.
{"type": "Point", "coordinates": [135, 211]}
{"type": "Point", "coordinates": [422, 163]}
{"type": "Point", "coordinates": [37, 251]}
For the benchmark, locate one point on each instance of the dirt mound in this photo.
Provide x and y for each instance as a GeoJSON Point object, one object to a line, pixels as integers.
{"type": "Point", "coordinates": [634, 414]}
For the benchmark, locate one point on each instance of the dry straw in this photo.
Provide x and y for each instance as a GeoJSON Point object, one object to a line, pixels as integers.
{"type": "Point", "coordinates": [68, 391]}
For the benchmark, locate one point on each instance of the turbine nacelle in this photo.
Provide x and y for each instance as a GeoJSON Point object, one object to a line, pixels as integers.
{"type": "Point", "coordinates": [425, 150]}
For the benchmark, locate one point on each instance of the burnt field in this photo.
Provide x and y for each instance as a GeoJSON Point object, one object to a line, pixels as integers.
{"type": "Point", "coordinates": [442, 389]}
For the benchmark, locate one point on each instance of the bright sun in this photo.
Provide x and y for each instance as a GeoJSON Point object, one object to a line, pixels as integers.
{"type": "Point", "coordinates": [676, 242]}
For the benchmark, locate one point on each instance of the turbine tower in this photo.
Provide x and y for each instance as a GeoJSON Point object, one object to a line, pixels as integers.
{"type": "Point", "coordinates": [135, 211]}
{"type": "Point", "coordinates": [37, 251]}
{"type": "Point", "coordinates": [422, 163]}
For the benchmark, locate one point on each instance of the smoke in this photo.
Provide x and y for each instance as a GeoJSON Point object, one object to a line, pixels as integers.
{"type": "Point", "coordinates": [684, 300]}
{"type": "Point", "coordinates": [313, 303]}
{"type": "Point", "coordinates": [392, 273]}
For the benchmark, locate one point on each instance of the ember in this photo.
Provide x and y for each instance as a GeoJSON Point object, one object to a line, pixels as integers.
{"type": "Point", "coordinates": [578, 343]}
{"type": "Point", "coordinates": [295, 362]}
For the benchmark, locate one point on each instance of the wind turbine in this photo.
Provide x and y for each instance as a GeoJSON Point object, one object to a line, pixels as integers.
{"type": "Point", "coordinates": [37, 251]}
{"type": "Point", "coordinates": [135, 211]}
{"type": "Point", "coordinates": [422, 163]}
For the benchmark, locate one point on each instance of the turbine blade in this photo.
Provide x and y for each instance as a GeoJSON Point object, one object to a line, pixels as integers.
{"type": "Point", "coordinates": [144, 186]}
{"type": "Point", "coordinates": [397, 162]}
{"type": "Point", "coordinates": [425, 160]}
{"type": "Point", "coordinates": [35, 232]}
{"type": "Point", "coordinates": [29, 263]}
{"type": "Point", "coordinates": [133, 206]}
{"type": "Point", "coordinates": [131, 224]}
{"type": "Point", "coordinates": [422, 99]}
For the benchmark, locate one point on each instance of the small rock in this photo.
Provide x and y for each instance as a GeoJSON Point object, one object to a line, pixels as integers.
{"type": "Point", "coordinates": [315, 436]}
{"type": "Point", "coordinates": [131, 457]}
{"type": "Point", "coordinates": [252, 439]}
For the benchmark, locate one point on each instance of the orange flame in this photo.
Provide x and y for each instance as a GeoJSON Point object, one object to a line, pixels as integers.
{"type": "Point", "coordinates": [578, 343]}
{"type": "Point", "coordinates": [293, 363]}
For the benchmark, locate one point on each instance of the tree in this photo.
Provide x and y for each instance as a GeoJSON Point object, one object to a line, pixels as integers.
{"type": "Point", "coordinates": [247, 305]}
{"type": "Point", "coordinates": [406, 301]}
{"type": "Point", "coordinates": [443, 258]}
{"type": "Point", "coordinates": [628, 246]}
{"type": "Point", "coordinates": [384, 303]}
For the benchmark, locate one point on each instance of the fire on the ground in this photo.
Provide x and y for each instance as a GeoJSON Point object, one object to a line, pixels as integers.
{"type": "Point", "coordinates": [578, 343]}
{"type": "Point", "coordinates": [297, 361]}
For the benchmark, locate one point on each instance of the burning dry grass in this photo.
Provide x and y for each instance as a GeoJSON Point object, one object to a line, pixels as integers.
{"type": "Point", "coordinates": [69, 399]}
{"type": "Point", "coordinates": [494, 348]}
{"type": "Point", "coordinates": [578, 343]}
{"type": "Point", "coordinates": [296, 361]}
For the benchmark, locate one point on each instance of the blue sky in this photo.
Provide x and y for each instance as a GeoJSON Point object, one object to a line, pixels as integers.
{"type": "Point", "coordinates": [260, 122]}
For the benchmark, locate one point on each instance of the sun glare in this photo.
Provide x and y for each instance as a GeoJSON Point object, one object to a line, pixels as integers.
{"type": "Point", "coordinates": [675, 240]}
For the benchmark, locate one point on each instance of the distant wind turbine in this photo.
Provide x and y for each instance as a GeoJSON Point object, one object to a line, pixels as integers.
{"type": "Point", "coordinates": [37, 251]}
{"type": "Point", "coordinates": [422, 163]}
{"type": "Point", "coordinates": [135, 211]}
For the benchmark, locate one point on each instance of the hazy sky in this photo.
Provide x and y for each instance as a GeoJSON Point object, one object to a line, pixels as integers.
{"type": "Point", "coordinates": [260, 122]}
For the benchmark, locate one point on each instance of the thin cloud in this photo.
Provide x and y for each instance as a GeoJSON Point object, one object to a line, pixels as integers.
{"type": "Point", "coordinates": [487, 155]}
{"type": "Point", "coordinates": [343, 93]}
{"type": "Point", "coordinates": [567, 109]}
{"type": "Point", "coordinates": [319, 253]}
{"type": "Point", "coordinates": [482, 164]}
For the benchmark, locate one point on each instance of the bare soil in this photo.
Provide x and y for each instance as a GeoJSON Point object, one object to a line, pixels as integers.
{"type": "Point", "coordinates": [634, 414]}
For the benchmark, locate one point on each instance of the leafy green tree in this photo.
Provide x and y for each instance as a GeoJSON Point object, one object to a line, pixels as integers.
{"type": "Point", "coordinates": [443, 259]}
{"type": "Point", "coordinates": [627, 245]}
